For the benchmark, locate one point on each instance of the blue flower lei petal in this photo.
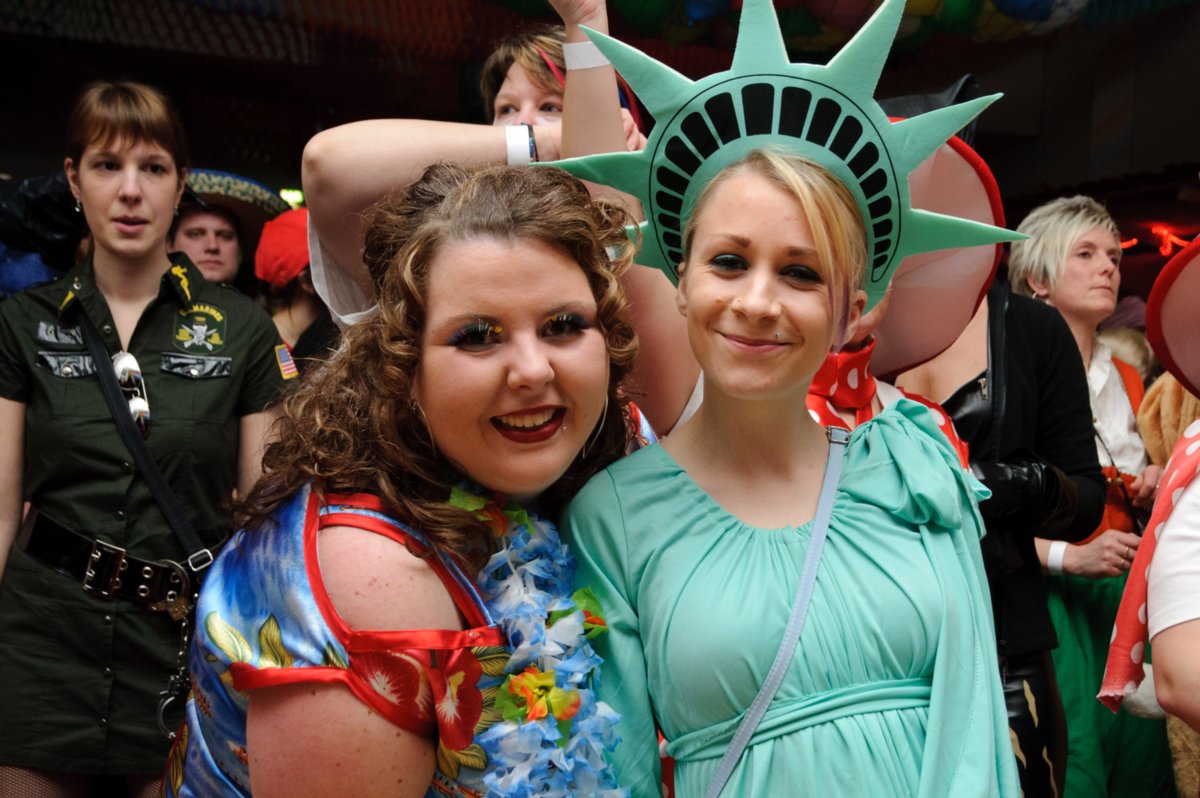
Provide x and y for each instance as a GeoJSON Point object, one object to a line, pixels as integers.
{"type": "Point", "coordinates": [531, 577]}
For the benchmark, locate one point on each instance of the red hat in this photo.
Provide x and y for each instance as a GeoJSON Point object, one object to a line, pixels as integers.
{"type": "Point", "coordinates": [1172, 313]}
{"type": "Point", "coordinates": [935, 294]}
{"type": "Point", "coordinates": [283, 250]}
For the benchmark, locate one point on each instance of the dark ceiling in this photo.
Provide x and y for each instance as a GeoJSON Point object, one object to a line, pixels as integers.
{"type": "Point", "coordinates": [1102, 108]}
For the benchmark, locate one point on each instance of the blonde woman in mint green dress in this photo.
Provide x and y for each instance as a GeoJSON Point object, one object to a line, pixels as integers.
{"type": "Point", "coordinates": [694, 547]}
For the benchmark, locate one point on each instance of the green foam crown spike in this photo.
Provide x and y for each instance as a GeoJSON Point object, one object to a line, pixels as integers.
{"type": "Point", "coordinates": [827, 114]}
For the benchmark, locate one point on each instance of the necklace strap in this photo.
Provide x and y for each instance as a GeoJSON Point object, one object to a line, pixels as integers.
{"type": "Point", "coordinates": [838, 438]}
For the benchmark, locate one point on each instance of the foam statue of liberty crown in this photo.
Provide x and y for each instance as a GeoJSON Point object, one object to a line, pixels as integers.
{"type": "Point", "coordinates": [824, 113]}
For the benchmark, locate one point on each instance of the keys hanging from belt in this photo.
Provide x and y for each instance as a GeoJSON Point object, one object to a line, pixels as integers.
{"type": "Point", "coordinates": [178, 607]}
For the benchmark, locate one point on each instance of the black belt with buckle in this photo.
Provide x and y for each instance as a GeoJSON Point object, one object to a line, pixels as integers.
{"type": "Point", "coordinates": [109, 572]}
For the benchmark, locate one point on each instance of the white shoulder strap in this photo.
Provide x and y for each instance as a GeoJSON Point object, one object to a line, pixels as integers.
{"type": "Point", "coordinates": [838, 438]}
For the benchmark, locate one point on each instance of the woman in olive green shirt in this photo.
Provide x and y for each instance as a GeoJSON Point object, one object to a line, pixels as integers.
{"type": "Point", "coordinates": [84, 649]}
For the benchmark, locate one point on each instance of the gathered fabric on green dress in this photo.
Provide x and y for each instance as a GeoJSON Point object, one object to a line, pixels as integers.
{"type": "Point", "coordinates": [893, 689]}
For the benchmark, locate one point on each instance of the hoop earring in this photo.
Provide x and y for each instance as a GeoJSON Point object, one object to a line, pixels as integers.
{"type": "Point", "coordinates": [420, 414]}
{"type": "Point", "coordinates": [595, 436]}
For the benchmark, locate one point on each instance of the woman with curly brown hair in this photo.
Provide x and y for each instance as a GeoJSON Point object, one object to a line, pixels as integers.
{"type": "Point", "coordinates": [533, 119]}
{"type": "Point", "coordinates": [345, 628]}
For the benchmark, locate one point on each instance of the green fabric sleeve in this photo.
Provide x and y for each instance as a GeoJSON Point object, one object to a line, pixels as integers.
{"type": "Point", "coordinates": [14, 381]}
{"type": "Point", "coordinates": [264, 384]}
{"type": "Point", "coordinates": [594, 527]}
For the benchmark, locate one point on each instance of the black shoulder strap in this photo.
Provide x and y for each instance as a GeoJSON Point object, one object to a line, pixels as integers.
{"type": "Point", "coordinates": [199, 557]}
{"type": "Point", "coordinates": [997, 368]}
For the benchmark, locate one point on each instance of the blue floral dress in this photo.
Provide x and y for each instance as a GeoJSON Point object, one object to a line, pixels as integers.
{"type": "Point", "coordinates": [509, 697]}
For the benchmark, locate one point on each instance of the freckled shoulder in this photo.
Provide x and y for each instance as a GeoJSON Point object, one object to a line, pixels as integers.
{"type": "Point", "coordinates": [376, 583]}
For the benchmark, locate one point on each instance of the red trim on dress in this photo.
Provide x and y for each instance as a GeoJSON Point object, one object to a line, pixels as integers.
{"type": "Point", "coordinates": [247, 677]}
{"type": "Point", "coordinates": [383, 654]}
{"type": "Point", "coordinates": [463, 599]}
{"type": "Point", "coordinates": [376, 639]}
{"type": "Point", "coordinates": [363, 501]}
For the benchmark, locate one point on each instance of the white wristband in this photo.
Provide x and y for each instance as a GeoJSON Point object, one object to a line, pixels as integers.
{"type": "Point", "coordinates": [583, 55]}
{"type": "Point", "coordinates": [517, 140]}
{"type": "Point", "coordinates": [1054, 557]}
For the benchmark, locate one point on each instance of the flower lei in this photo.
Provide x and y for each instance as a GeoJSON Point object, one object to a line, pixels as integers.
{"type": "Point", "coordinates": [553, 733]}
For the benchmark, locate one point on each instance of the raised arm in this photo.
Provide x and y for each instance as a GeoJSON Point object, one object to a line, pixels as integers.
{"type": "Point", "coordinates": [666, 371]}
{"type": "Point", "coordinates": [347, 168]}
{"type": "Point", "coordinates": [592, 118]}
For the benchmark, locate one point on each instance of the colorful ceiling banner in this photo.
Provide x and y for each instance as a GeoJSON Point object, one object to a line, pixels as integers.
{"type": "Point", "coordinates": [284, 30]}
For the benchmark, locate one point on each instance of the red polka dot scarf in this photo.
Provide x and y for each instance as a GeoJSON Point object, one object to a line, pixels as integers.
{"type": "Point", "coordinates": [843, 382]}
{"type": "Point", "coordinates": [1123, 672]}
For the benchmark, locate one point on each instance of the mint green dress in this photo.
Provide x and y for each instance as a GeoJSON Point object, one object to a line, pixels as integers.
{"type": "Point", "coordinates": [894, 688]}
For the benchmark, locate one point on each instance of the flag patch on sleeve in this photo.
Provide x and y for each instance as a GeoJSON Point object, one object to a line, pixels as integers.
{"type": "Point", "coordinates": [287, 366]}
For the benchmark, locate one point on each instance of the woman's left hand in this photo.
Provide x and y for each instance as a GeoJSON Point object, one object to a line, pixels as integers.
{"type": "Point", "coordinates": [1145, 487]}
{"type": "Point", "coordinates": [1107, 555]}
{"type": "Point", "coordinates": [582, 12]}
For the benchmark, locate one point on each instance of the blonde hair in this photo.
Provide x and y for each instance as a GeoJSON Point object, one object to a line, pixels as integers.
{"type": "Point", "coordinates": [525, 49]}
{"type": "Point", "coordinates": [1053, 228]}
{"type": "Point", "coordinates": [833, 218]}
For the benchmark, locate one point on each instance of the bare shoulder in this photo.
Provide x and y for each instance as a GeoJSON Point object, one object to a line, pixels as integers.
{"type": "Point", "coordinates": [377, 583]}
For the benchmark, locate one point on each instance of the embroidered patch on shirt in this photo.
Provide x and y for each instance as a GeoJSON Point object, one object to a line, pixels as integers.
{"type": "Point", "coordinates": [54, 334]}
{"type": "Point", "coordinates": [180, 273]}
{"type": "Point", "coordinates": [287, 366]}
{"type": "Point", "coordinates": [200, 328]}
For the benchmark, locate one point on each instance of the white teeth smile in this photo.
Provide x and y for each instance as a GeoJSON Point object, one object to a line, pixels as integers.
{"type": "Point", "coordinates": [526, 420]}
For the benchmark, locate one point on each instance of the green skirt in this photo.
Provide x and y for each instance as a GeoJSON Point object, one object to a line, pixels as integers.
{"type": "Point", "coordinates": [80, 677]}
{"type": "Point", "coordinates": [1115, 755]}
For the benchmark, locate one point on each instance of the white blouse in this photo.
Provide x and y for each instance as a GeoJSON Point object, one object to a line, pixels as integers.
{"type": "Point", "coordinates": [1118, 441]}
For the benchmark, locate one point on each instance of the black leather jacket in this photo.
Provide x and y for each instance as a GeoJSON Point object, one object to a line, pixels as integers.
{"type": "Point", "coordinates": [1028, 424]}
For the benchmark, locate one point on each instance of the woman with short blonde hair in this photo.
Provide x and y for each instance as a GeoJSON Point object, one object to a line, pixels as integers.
{"type": "Point", "coordinates": [1071, 261]}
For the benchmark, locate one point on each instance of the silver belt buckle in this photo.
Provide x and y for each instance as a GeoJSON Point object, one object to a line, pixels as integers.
{"type": "Point", "coordinates": [102, 576]}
